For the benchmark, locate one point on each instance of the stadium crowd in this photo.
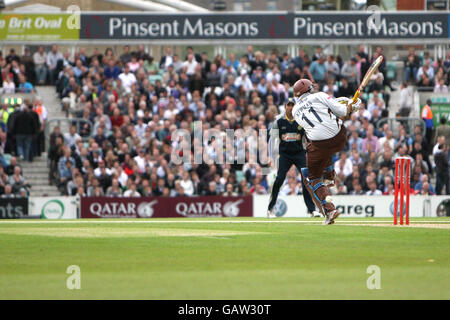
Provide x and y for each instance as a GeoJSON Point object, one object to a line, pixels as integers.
{"type": "Point", "coordinates": [134, 104]}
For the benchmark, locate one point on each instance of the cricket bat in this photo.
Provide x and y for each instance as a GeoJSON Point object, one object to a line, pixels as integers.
{"type": "Point", "coordinates": [365, 80]}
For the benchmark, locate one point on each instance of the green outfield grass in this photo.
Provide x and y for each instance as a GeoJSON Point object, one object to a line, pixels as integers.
{"type": "Point", "coordinates": [224, 259]}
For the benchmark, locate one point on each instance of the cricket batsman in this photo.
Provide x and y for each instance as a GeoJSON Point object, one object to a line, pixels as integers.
{"type": "Point", "coordinates": [321, 117]}
{"type": "Point", "coordinates": [291, 152]}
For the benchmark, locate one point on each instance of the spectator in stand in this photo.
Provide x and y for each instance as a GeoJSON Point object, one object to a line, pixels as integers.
{"type": "Point", "coordinates": [351, 73]}
{"type": "Point", "coordinates": [389, 191]}
{"type": "Point", "coordinates": [362, 53]}
{"type": "Point", "coordinates": [243, 81]}
{"type": "Point", "coordinates": [343, 167]}
{"type": "Point", "coordinates": [25, 126]}
{"type": "Point", "coordinates": [406, 100]}
{"type": "Point", "coordinates": [39, 139]}
{"type": "Point", "coordinates": [373, 191]}
{"type": "Point", "coordinates": [8, 85]}
{"type": "Point", "coordinates": [65, 174]}
{"type": "Point", "coordinates": [317, 54]}
{"type": "Point", "coordinates": [332, 67]}
{"type": "Point", "coordinates": [190, 65]}
{"type": "Point", "coordinates": [52, 60]}
{"type": "Point", "coordinates": [389, 138]}
{"type": "Point", "coordinates": [71, 137]}
{"type": "Point", "coordinates": [425, 75]}
{"type": "Point", "coordinates": [133, 64]}
{"type": "Point", "coordinates": [370, 143]}
{"type": "Point", "coordinates": [423, 185]}
{"type": "Point", "coordinates": [125, 57]}
{"type": "Point", "coordinates": [40, 65]}
{"type": "Point", "coordinates": [357, 188]}
{"type": "Point", "coordinates": [12, 56]}
{"type": "Point", "coordinates": [167, 59]}
{"type": "Point", "coordinates": [443, 130]}
{"type": "Point", "coordinates": [127, 78]}
{"type": "Point", "coordinates": [331, 88]}
{"type": "Point", "coordinates": [418, 161]}
{"type": "Point", "coordinates": [440, 86]}
{"type": "Point", "coordinates": [111, 71]}
{"type": "Point", "coordinates": [412, 65]}
{"type": "Point", "coordinates": [318, 70]}
{"type": "Point", "coordinates": [425, 189]}
{"type": "Point", "coordinates": [427, 117]}
{"type": "Point", "coordinates": [213, 77]}
{"type": "Point", "coordinates": [345, 90]}
{"type": "Point", "coordinates": [8, 192]}
{"type": "Point", "coordinates": [24, 85]}
{"type": "Point", "coordinates": [132, 191]}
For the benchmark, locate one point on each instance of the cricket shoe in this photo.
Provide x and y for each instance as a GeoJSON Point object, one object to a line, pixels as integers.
{"type": "Point", "coordinates": [314, 214]}
{"type": "Point", "coordinates": [331, 216]}
{"type": "Point", "coordinates": [332, 182]}
{"type": "Point", "coordinates": [271, 213]}
{"type": "Point", "coordinates": [328, 183]}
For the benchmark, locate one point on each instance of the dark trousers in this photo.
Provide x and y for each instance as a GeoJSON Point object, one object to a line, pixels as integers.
{"type": "Point", "coordinates": [24, 146]}
{"type": "Point", "coordinates": [38, 144]}
{"type": "Point", "coordinates": [284, 164]}
{"type": "Point", "coordinates": [429, 138]}
{"type": "Point", "coordinates": [442, 181]}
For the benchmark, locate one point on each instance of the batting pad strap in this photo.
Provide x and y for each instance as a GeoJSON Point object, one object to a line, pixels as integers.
{"type": "Point", "coordinates": [305, 172]}
{"type": "Point", "coordinates": [317, 186]}
{"type": "Point", "coordinates": [312, 181]}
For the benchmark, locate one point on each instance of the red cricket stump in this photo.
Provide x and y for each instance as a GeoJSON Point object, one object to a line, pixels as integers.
{"type": "Point", "coordinates": [396, 191]}
{"type": "Point", "coordinates": [407, 192]}
{"type": "Point", "coordinates": [402, 190]}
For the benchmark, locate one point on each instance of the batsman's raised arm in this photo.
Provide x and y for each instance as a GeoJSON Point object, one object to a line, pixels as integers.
{"type": "Point", "coordinates": [338, 108]}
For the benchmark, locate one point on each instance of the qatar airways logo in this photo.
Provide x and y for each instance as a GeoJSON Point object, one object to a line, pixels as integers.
{"type": "Point", "coordinates": [115, 209]}
{"type": "Point", "coordinates": [214, 146]}
{"type": "Point", "coordinates": [200, 208]}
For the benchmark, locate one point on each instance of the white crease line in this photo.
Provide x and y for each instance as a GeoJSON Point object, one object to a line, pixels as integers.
{"type": "Point", "coordinates": [206, 221]}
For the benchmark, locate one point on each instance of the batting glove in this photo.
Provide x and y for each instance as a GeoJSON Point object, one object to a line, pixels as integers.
{"type": "Point", "coordinates": [355, 106]}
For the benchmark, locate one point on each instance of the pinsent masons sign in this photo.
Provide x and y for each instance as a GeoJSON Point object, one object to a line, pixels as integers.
{"type": "Point", "coordinates": [263, 26]}
{"type": "Point", "coordinates": [13, 208]}
{"type": "Point", "coordinates": [160, 207]}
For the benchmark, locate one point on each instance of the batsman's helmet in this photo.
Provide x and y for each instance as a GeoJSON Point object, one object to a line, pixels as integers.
{"type": "Point", "coordinates": [302, 86]}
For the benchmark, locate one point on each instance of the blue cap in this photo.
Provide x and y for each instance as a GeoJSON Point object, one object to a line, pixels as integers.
{"type": "Point", "coordinates": [290, 100]}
